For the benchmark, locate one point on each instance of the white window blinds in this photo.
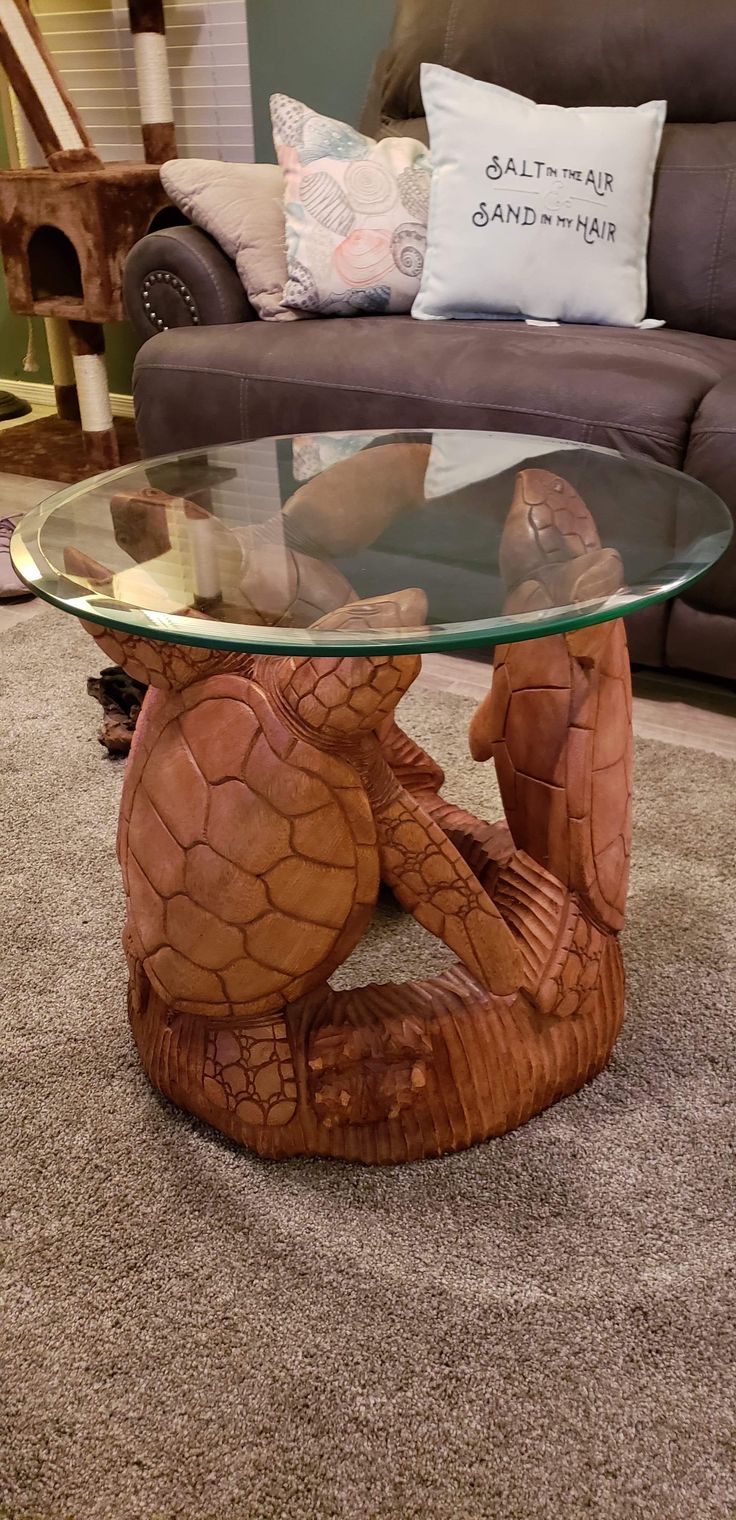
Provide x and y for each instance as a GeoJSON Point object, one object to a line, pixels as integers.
{"type": "Point", "coordinates": [207, 48]}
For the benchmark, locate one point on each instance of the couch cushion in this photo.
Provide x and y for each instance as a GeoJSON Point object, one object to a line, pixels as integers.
{"type": "Point", "coordinates": [572, 53]}
{"type": "Point", "coordinates": [637, 391]}
{"type": "Point", "coordinates": [692, 246]}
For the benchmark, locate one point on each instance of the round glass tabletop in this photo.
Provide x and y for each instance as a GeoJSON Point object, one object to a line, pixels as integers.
{"type": "Point", "coordinates": [333, 542]}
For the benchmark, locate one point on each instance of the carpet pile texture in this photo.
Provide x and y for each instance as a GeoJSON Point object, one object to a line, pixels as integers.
{"type": "Point", "coordinates": [538, 1329]}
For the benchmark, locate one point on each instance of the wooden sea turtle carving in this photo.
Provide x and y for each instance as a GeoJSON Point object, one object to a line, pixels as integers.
{"type": "Point", "coordinates": [557, 720]}
{"type": "Point", "coordinates": [257, 815]}
{"type": "Point", "coordinates": [267, 795]}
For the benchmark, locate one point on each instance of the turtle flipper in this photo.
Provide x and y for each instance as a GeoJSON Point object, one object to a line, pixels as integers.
{"type": "Point", "coordinates": [432, 881]}
{"type": "Point", "coordinates": [347, 507]}
{"type": "Point", "coordinates": [411, 765]}
{"type": "Point", "coordinates": [560, 949]}
{"type": "Point", "coordinates": [244, 1069]}
{"type": "Point", "coordinates": [397, 609]}
{"type": "Point", "coordinates": [167, 666]}
{"type": "Point", "coordinates": [350, 697]}
{"type": "Point", "coordinates": [369, 1063]}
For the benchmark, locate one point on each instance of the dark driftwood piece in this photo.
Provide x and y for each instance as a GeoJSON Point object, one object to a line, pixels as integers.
{"type": "Point", "coordinates": [267, 797]}
{"type": "Point", "coordinates": [121, 699]}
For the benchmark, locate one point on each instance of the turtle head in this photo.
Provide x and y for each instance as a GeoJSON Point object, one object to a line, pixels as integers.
{"type": "Point", "coordinates": [352, 694]}
{"type": "Point", "coordinates": [344, 696]}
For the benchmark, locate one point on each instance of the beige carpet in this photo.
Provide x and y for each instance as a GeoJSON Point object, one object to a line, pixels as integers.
{"type": "Point", "coordinates": [539, 1329]}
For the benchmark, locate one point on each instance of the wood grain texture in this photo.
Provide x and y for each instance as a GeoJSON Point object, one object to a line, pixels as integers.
{"type": "Point", "coordinates": [387, 1074]}
{"type": "Point", "coordinates": [266, 797]}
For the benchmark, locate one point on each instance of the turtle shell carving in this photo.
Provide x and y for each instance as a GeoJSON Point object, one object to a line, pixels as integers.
{"type": "Point", "coordinates": [585, 809]}
{"type": "Point", "coordinates": [223, 805]}
{"type": "Point", "coordinates": [576, 817]}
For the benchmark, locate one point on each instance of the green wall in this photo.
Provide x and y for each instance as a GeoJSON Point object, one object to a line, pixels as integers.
{"type": "Point", "coordinates": [319, 51]}
{"type": "Point", "coordinates": [120, 342]}
{"type": "Point", "coordinates": [13, 340]}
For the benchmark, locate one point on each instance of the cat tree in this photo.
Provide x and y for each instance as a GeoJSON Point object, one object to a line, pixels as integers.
{"type": "Point", "coordinates": [66, 228]}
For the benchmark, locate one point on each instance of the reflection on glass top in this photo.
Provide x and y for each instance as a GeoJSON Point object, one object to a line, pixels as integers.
{"type": "Point", "coordinates": [389, 541]}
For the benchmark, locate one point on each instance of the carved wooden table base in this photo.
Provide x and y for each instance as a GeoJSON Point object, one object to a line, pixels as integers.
{"type": "Point", "coordinates": [265, 799]}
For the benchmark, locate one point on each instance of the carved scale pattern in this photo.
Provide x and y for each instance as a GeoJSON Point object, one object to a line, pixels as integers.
{"type": "Point", "coordinates": [249, 859]}
{"type": "Point", "coordinates": [165, 666]}
{"type": "Point", "coordinates": [254, 1070]}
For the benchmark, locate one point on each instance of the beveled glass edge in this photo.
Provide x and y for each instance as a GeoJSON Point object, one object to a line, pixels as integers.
{"type": "Point", "coordinates": [510, 630]}
{"type": "Point", "coordinates": [169, 628]}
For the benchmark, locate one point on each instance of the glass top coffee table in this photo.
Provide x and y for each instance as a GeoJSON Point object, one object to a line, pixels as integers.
{"type": "Point", "coordinates": [276, 597]}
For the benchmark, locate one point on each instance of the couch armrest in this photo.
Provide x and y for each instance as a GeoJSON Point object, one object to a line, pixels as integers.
{"type": "Point", "coordinates": [711, 457]}
{"type": "Point", "coordinates": [179, 277]}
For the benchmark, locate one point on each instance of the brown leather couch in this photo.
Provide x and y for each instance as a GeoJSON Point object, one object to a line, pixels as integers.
{"type": "Point", "coordinates": [215, 373]}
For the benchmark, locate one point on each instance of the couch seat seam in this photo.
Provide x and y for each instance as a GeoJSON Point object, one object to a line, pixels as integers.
{"type": "Point", "coordinates": [499, 406]}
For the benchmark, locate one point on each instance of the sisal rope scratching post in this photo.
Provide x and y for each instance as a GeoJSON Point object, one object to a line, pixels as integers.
{"type": "Point", "coordinates": [62, 137]}
{"type": "Point", "coordinates": [67, 228]}
{"type": "Point", "coordinates": [33, 76]}
{"type": "Point", "coordinates": [87, 341]}
{"type": "Point", "coordinates": [148, 30]}
{"type": "Point", "coordinates": [23, 151]}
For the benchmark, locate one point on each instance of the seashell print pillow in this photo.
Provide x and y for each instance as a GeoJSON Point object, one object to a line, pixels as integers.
{"type": "Point", "coordinates": [313, 453]}
{"type": "Point", "coordinates": [356, 214]}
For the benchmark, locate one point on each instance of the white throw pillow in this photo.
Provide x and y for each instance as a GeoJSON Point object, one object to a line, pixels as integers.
{"type": "Point", "coordinates": [536, 211]}
{"type": "Point", "coordinates": [460, 459]}
{"type": "Point", "coordinates": [242, 208]}
{"type": "Point", "coordinates": [356, 214]}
